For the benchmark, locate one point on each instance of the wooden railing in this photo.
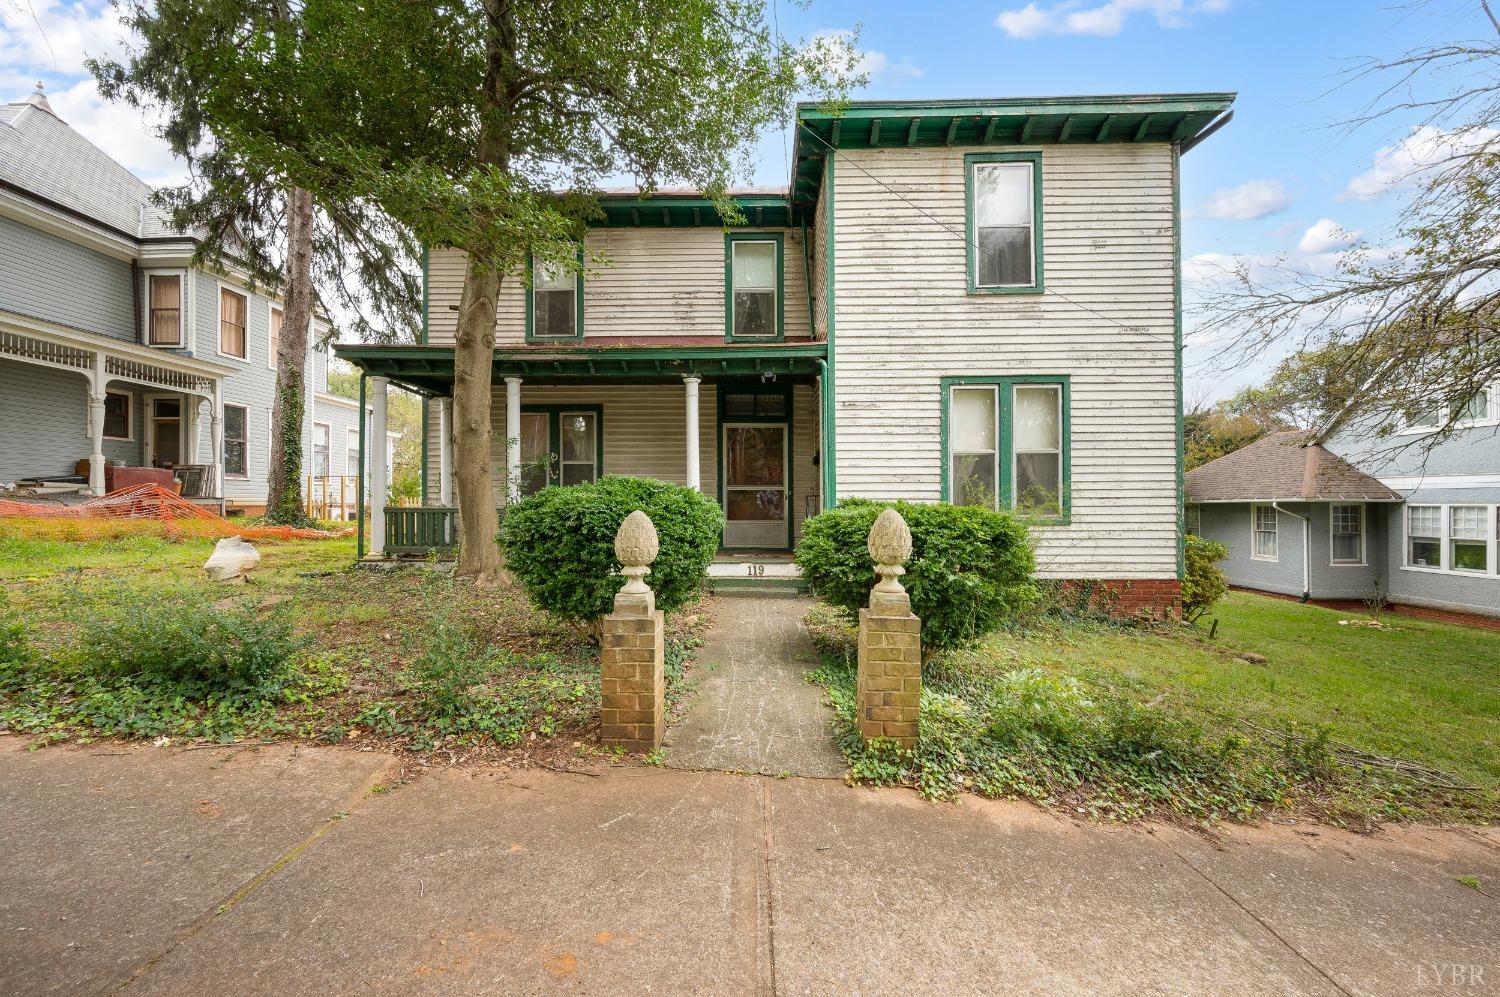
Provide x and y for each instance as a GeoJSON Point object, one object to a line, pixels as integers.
{"type": "Point", "coordinates": [331, 496]}
{"type": "Point", "coordinates": [420, 529]}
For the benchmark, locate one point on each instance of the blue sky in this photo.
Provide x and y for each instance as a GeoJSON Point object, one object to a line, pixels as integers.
{"type": "Point", "coordinates": [1278, 180]}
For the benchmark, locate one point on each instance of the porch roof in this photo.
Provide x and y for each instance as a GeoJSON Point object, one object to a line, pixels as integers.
{"type": "Point", "coordinates": [428, 370]}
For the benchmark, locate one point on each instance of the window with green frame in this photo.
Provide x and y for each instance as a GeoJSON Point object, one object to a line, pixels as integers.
{"type": "Point", "coordinates": [560, 445]}
{"type": "Point", "coordinates": [1005, 443]}
{"type": "Point", "coordinates": [1003, 222]}
{"type": "Point", "coordinates": [754, 285]}
{"type": "Point", "coordinates": [554, 302]}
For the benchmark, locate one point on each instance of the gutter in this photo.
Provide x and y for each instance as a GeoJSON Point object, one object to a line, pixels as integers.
{"type": "Point", "coordinates": [1306, 549]}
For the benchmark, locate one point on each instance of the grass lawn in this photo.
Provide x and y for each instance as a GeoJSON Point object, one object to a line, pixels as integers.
{"type": "Point", "coordinates": [319, 649]}
{"type": "Point", "coordinates": [1423, 691]}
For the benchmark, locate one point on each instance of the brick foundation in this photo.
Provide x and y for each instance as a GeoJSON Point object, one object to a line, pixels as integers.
{"type": "Point", "coordinates": [634, 681]}
{"type": "Point", "coordinates": [1128, 598]}
{"type": "Point", "coordinates": [889, 694]}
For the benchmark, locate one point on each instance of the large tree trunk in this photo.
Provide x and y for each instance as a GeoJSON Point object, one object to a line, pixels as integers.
{"type": "Point", "coordinates": [284, 476]}
{"type": "Point", "coordinates": [474, 348]}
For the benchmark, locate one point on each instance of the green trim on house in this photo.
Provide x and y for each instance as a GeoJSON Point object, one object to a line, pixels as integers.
{"type": "Point", "coordinates": [1181, 486]}
{"type": "Point", "coordinates": [577, 305]}
{"type": "Point", "coordinates": [554, 415]}
{"type": "Point", "coordinates": [1005, 444]}
{"type": "Point", "coordinates": [829, 456]}
{"type": "Point", "coordinates": [767, 210]}
{"type": "Point", "coordinates": [783, 391]}
{"type": "Point", "coordinates": [730, 238]}
{"type": "Point", "coordinates": [971, 241]}
{"type": "Point", "coordinates": [359, 481]}
{"type": "Point", "coordinates": [424, 403]}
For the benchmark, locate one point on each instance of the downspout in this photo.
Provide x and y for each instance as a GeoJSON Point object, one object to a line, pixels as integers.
{"type": "Point", "coordinates": [824, 465]}
{"type": "Point", "coordinates": [1306, 549]}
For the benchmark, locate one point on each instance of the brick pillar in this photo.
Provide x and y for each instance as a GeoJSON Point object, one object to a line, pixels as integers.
{"type": "Point", "coordinates": [889, 693]}
{"type": "Point", "coordinates": [632, 652]}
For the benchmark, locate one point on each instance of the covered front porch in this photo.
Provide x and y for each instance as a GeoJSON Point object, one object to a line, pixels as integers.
{"type": "Point", "coordinates": [140, 408]}
{"type": "Point", "coordinates": [743, 424]}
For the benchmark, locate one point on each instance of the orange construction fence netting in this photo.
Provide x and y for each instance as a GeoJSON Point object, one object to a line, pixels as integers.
{"type": "Point", "coordinates": [151, 503]}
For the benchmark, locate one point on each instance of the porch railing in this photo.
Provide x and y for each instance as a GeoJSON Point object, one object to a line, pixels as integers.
{"type": "Point", "coordinates": [332, 496]}
{"type": "Point", "coordinates": [420, 529]}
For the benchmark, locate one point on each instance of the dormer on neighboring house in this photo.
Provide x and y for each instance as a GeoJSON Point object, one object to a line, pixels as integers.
{"type": "Point", "coordinates": [972, 301]}
{"type": "Point", "coordinates": [121, 360]}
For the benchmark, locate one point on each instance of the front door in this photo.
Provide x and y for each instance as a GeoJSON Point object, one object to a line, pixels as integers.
{"type": "Point", "coordinates": [166, 432]}
{"type": "Point", "coordinates": [755, 485]}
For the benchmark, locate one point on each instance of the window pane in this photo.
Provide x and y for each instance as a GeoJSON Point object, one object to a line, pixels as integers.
{"type": "Point", "coordinates": [739, 405]}
{"type": "Point", "coordinates": [1346, 547]}
{"type": "Point", "coordinates": [166, 311]}
{"type": "Point", "coordinates": [235, 461]}
{"type": "Point", "coordinates": [755, 313]}
{"type": "Point", "coordinates": [1478, 408]}
{"type": "Point", "coordinates": [1004, 256]}
{"type": "Point", "coordinates": [276, 320]}
{"type": "Point", "coordinates": [756, 456]}
{"type": "Point", "coordinates": [231, 323]}
{"type": "Point", "coordinates": [535, 452]}
{"type": "Point", "coordinates": [1038, 425]}
{"type": "Point", "coordinates": [320, 451]}
{"type": "Point", "coordinates": [770, 406]}
{"type": "Point", "coordinates": [1002, 194]}
{"type": "Point", "coordinates": [1426, 553]}
{"type": "Point", "coordinates": [577, 437]}
{"type": "Point", "coordinates": [767, 505]}
{"type": "Point", "coordinates": [117, 416]}
{"type": "Point", "coordinates": [973, 420]}
{"type": "Point", "coordinates": [553, 313]}
{"type": "Point", "coordinates": [1470, 522]}
{"type": "Point", "coordinates": [547, 277]}
{"type": "Point", "coordinates": [1469, 555]}
{"type": "Point", "coordinates": [974, 480]}
{"type": "Point", "coordinates": [1038, 481]}
{"type": "Point", "coordinates": [754, 265]}
{"type": "Point", "coordinates": [577, 474]}
{"type": "Point", "coordinates": [1425, 521]}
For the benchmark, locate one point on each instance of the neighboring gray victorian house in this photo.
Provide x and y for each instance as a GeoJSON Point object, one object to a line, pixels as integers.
{"type": "Point", "coordinates": [975, 301]}
{"type": "Point", "coordinates": [115, 349]}
{"type": "Point", "coordinates": [1418, 522]}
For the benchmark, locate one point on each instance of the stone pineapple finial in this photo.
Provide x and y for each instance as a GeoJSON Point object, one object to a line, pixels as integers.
{"type": "Point", "coordinates": [890, 547]}
{"type": "Point", "coordinates": [636, 546]}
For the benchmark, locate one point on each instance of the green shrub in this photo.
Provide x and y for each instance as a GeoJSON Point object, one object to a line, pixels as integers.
{"type": "Point", "coordinates": [560, 543]}
{"type": "Point", "coordinates": [204, 649]}
{"type": "Point", "coordinates": [448, 667]}
{"type": "Point", "coordinates": [1203, 581]}
{"type": "Point", "coordinates": [970, 568]}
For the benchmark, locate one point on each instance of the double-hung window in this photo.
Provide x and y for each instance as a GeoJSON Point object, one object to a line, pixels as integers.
{"type": "Point", "coordinates": [1424, 536]}
{"type": "Point", "coordinates": [1194, 520]}
{"type": "Point", "coordinates": [753, 285]}
{"type": "Point", "coordinates": [1347, 528]}
{"type": "Point", "coordinates": [116, 415]}
{"type": "Point", "coordinates": [164, 315]}
{"type": "Point", "coordinates": [233, 308]}
{"type": "Point", "coordinates": [236, 459]}
{"type": "Point", "coordinates": [1263, 530]}
{"type": "Point", "coordinates": [1469, 538]}
{"type": "Point", "coordinates": [554, 306]}
{"type": "Point", "coordinates": [560, 445]}
{"type": "Point", "coordinates": [1004, 222]}
{"type": "Point", "coordinates": [321, 448]}
{"type": "Point", "coordinates": [275, 316]}
{"type": "Point", "coordinates": [1007, 443]}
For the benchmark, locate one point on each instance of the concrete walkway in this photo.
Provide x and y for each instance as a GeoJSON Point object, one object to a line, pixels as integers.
{"type": "Point", "coordinates": [753, 709]}
{"type": "Point", "coordinates": [279, 871]}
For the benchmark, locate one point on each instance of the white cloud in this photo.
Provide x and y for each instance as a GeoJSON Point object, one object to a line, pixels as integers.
{"type": "Point", "coordinates": [1107, 19]}
{"type": "Point", "coordinates": [1249, 201]}
{"type": "Point", "coordinates": [1413, 158]}
{"type": "Point", "coordinates": [1326, 236]}
{"type": "Point", "coordinates": [52, 38]}
{"type": "Point", "coordinates": [836, 44]}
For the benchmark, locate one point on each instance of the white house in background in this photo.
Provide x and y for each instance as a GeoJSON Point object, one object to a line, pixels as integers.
{"type": "Point", "coordinates": [974, 301]}
{"type": "Point", "coordinates": [115, 349]}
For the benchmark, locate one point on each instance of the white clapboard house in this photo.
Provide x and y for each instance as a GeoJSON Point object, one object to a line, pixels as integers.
{"type": "Point", "coordinates": [970, 301]}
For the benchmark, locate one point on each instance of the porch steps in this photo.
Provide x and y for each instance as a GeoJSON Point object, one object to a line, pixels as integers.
{"type": "Point", "coordinates": [754, 576]}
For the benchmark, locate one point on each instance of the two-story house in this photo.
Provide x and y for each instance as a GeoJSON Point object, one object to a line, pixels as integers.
{"type": "Point", "coordinates": [116, 350]}
{"type": "Point", "coordinates": [972, 301]}
{"type": "Point", "coordinates": [1415, 520]}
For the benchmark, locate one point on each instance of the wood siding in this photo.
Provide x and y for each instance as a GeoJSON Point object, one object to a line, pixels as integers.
{"type": "Point", "coordinates": [904, 320]}
{"type": "Point", "coordinates": [652, 282]}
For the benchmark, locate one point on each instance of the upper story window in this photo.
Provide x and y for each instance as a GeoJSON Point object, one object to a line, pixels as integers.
{"type": "Point", "coordinates": [1482, 408]}
{"type": "Point", "coordinates": [164, 318]}
{"type": "Point", "coordinates": [276, 317]}
{"type": "Point", "coordinates": [233, 309]}
{"type": "Point", "coordinates": [554, 306]}
{"type": "Point", "coordinates": [753, 286]}
{"type": "Point", "coordinates": [1006, 443]}
{"type": "Point", "coordinates": [1004, 225]}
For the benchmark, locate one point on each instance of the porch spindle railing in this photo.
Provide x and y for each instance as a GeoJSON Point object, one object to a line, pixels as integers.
{"type": "Point", "coordinates": [420, 529]}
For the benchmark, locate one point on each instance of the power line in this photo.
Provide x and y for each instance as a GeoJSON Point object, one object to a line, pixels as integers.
{"type": "Point", "coordinates": [962, 238]}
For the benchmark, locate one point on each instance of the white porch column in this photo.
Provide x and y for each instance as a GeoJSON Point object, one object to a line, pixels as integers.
{"type": "Point", "coordinates": [97, 382]}
{"type": "Point", "coordinates": [190, 406]}
{"type": "Point", "coordinates": [216, 435]}
{"type": "Point", "coordinates": [513, 439]}
{"type": "Point", "coordinates": [378, 485]}
{"type": "Point", "coordinates": [693, 476]}
{"type": "Point", "coordinates": [445, 451]}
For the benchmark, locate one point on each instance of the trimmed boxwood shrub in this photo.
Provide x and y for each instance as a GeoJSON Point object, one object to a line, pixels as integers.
{"type": "Point", "coordinates": [560, 543]}
{"type": "Point", "coordinates": [970, 568]}
{"type": "Point", "coordinates": [1203, 581]}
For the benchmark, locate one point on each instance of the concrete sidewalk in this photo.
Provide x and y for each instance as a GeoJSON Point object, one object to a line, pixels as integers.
{"type": "Point", "coordinates": [278, 871]}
